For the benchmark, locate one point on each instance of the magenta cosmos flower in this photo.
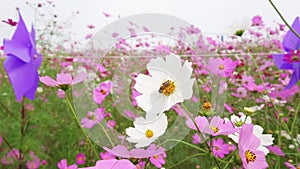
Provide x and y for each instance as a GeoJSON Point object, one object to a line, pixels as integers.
{"type": "Point", "coordinates": [63, 164]}
{"type": "Point", "coordinates": [93, 118]}
{"type": "Point", "coordinates": [157, 160]}
{"type": "Point", "coordinates": [222, 67]}
{"type": "Point", "coordinates": [80, 158]}
{"type": "Point", "coordinates": [22, 61]}
{"type": "Point", "coordinates": [291, 59]}
{"type": "Point", "coordinates": [248, 145]}
{"type": "Point", "coordinates": [220, 149]}
{"type": "Point", "coordinates": [102, 91]}
{"type": "Point", "coordinates": [63, 80]}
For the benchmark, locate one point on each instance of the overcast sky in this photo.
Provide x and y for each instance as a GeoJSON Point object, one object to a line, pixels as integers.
{"type": "Point", "coordinates": [212, 16]}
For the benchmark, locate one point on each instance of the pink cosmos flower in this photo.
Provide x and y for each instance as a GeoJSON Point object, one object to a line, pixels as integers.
{"type": "Point", "coordinates": [221, 67]}
{"type": "Point", "coordinates": [107, 155]}
{"type": "Point", "coordinates": [192, 30]}
{"type": "Point", "coordinates": [80, 158]}
{"type": "Point", "coordinates": [159, 159]}
{"type": "Point", "coordinates": [219, 149]}
{"type": "Point", "coordinates": [111, 124]}
{"type": "Point", "coordinates": [102, 91]}
{"type": "Point", "coordinates": [254, 88]}
{"type": "Point", "coordinates": [241, 92]}
{"type": "Point", "coordinates": [201, 122]}
{"type": "Point", "coordinates": [93, 118]}
{"type": "Point", "coordinates": [248, 145]}
{"type": "Point", "coordinates": [34, 163]}
{"type": "Point", "coordinates": [63, 81]}
{"type": "Point", "coordinates": [63, 164]}
{"type": "Point", "coordinates": [113, 164]}
{"type": "Point", "coordinates": [11, 156]}
{"type": "Point", "coordinates": [257, 21]}
{"type": "Point", "coordinates": [247, 79]}
{"type": "Point", "coordinates": [218, 126]}
{"type": "Point", "coordinates": [0, 140]}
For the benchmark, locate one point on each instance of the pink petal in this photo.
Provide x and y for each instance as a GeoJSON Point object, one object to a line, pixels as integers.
{"type": "Point", "coordinates": [64, 78]}
{"type": "Point", "coordinates": [79, 78]}
{"type": "Point", "coordinates": [48, 81]}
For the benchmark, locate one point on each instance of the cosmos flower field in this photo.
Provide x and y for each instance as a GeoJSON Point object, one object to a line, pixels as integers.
{"type": "Point", "coordinates": [181, 100]}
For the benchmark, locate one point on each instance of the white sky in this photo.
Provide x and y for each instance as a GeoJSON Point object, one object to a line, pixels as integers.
{"type": "Point", "coordinates": [211, 16]}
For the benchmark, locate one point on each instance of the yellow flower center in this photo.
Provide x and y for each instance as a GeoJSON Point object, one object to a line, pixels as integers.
{"type": "Point", "coordinates": [215, 129]}
{"type": "Point", "coordinates": [167, 87]}
{"type": "Point", "coordinates": [155, 157]}
{"type": "Point", "coordinates": [206, 105]}
{"type": "Point", "coordinates": [250, 156]}
{"type": "Point", "coordinates": [149, 133]}
{"type": "Point", "coordinates": [103, 91]}
{"type": "Point", "coordinates": [221, 67]}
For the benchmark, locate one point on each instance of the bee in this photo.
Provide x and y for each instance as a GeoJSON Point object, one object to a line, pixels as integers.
{"type": "Point", "coordinates": [163, 86]}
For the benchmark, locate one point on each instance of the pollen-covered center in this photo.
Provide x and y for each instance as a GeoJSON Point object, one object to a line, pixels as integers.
{"type": "Point", "coordinates": [206, 105]}
{"type": "Point", "coordinates": [250, 156]}
{"type": "Point", "coordinates": [215, 129]}
{"type": "Point", "coordinates": [221, 67]}
{"type": "Point", "coordinates": [167, 87]}
{"type": "Point", "coordinates": [155, 156]}
{"type": "Point", "coordinates": [217, 148]}
{"type": "Point", "coordinates": [102, 91]}
{"type": "Point", "coordinates": [149, 133]}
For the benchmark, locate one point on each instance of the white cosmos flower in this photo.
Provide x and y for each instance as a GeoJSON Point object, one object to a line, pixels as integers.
{"type": "Point", "coordinates": [146, 131]}
{"type": "Point", "coordinates": [169, 82]}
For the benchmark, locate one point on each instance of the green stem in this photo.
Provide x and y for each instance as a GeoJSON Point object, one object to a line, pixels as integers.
{"type": "Point", "coordinates": [79, 124]}
{"type": "Point", "coordinates": [188, 158]}
{"type": "Point", "coordinates": [107, 135]}
{"type": "Point", "coordinates": [8, 111]}
{"type": "Point", "coordinates": [23, 124]}
{"type": "Point", "coordinates": [295, 117]}
{"type": "Point", "coordinates": [186, 143]}
{"type": "Point", "coordinates": [285, 22]}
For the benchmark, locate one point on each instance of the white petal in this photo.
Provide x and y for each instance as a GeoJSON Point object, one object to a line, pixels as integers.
{"type": "Point", "coordinates": [266, 139]}
{"type": "Point", "coordinates": [143, 101]}
{"type": "Point", "coordinates": [160, 125]}
{"type": "Point", "coordinates": [187, 89]}
{"type": "Point", "coordinates": [173, 64]}
{"type": "Point", "coordinates": [257, 129]}
{"type": "Point", "coordinates": [234, 137]}
{"type": "Point", "coordinates": [146, 84]}
{"type": "Point", "coordinates": [156, 66]}
{"type": "Point", "coordinates": [264, 149]}
{"type": "Point", "coordinates": [134, 133]}
{"type": "Point", "coordinates": [144, 143]}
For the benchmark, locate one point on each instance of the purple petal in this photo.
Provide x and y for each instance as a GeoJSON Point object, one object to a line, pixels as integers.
{"type": "Point", "coordinates": [278, 58]}
{"type": "Point", "coordinates": [21, 75]}
{"type": "Point", "coordinates": [291, 41]}
{"type": "Point", "coordinates": [17, 49]}
{"type": "Point", "coordinates": [21, 34]}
